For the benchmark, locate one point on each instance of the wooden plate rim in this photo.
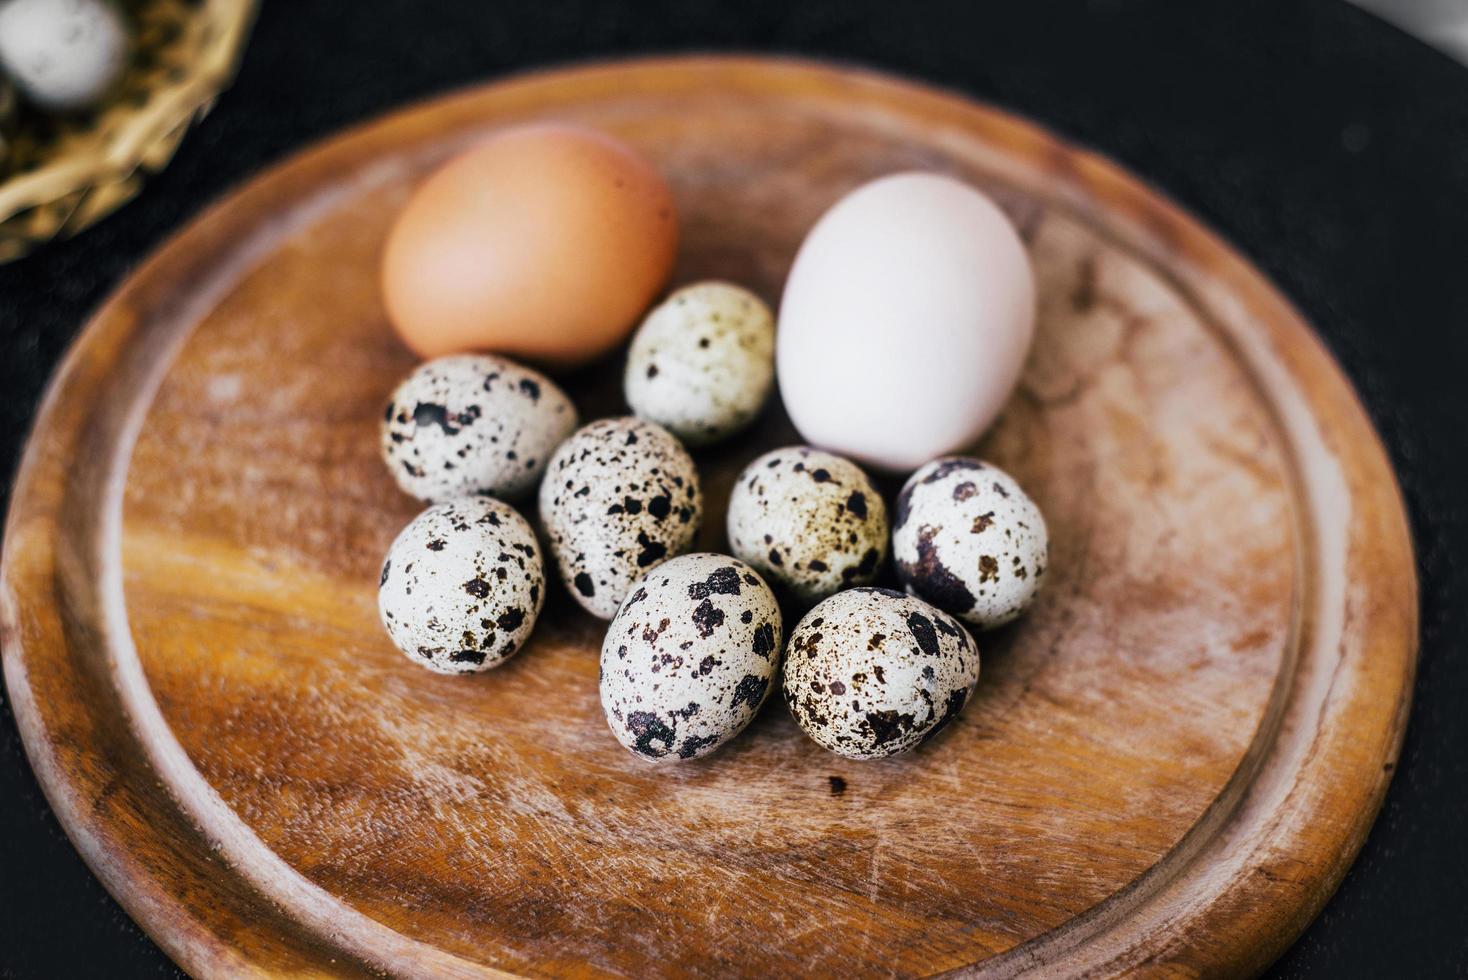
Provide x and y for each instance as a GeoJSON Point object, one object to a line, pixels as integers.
{"type": "Point", "coordinates": [1239, 888]}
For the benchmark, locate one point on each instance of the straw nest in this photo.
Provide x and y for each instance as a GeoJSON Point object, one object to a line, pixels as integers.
{"type": "Point", "coordinates": [60, 174]}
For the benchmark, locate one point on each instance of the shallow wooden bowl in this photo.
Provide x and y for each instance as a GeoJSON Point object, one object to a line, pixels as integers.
{"type": "Point", "coordinates": [1168, 764]}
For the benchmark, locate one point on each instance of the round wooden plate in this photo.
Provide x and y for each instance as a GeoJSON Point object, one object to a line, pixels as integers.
{"type": "Point", "coordinates": [1169, 763]}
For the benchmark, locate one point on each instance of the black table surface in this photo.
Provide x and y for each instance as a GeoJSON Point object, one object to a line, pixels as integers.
{"type": "Point", "coordinates": [1331, 148]}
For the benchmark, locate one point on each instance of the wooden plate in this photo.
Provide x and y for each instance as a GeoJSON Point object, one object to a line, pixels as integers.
{"type": "Point", "coordinates": [1169, 764]}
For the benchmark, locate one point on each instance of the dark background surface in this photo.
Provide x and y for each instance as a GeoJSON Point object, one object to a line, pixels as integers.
{"type": "Point", "coordinates": [1330, 147]}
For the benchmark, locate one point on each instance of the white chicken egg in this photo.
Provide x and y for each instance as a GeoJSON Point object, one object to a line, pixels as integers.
{"type": "Point", "coordinates": [703, 362]}
{"type": "Point", "coordinates": [64, 54]}
{"type": "Point", "coordinates": [905, 321]}
{"type": "Point", "coordinates": [872, 672]}
{"type": "Point", "coordinates": [619, 497]}
{"type": "Point", "coordinates": [968, 539]}
{"type": "Point", "coordinates": [473, 423]}
{"type": "Point", "coordinates": [690, 657]}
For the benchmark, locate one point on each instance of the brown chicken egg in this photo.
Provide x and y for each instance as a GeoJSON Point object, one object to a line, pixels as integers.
{"type": "Point", "coordinates": [546, 242]}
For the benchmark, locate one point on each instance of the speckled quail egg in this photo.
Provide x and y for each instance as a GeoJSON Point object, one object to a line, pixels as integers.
{"type": "Point", "coordinates": [689, 657]}
{"type": "Point", "coordinates": [969, 540]}
{"type": "Point", "coordinates": [64, 54]}
{"type": "Point", "coordinates": [809, 521]}
{"type": "Point", "coordinates": [473, 423]}
{"type": "Point", "coordinates": [620, 496]}
{"type": "Point", "coordinates": [703, 362]}
{"type": "Point", "coordinates": [462, 585]}
{"type": "Point", "coordinates": [872, 672]}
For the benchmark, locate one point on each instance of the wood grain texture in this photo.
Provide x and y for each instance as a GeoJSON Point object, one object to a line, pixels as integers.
{"type": "Point", "coordinates": [1168, 765]}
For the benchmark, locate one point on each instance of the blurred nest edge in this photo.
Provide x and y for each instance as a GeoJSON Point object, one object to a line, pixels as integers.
{"type": "Point", "coordinates": [63, 173]}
